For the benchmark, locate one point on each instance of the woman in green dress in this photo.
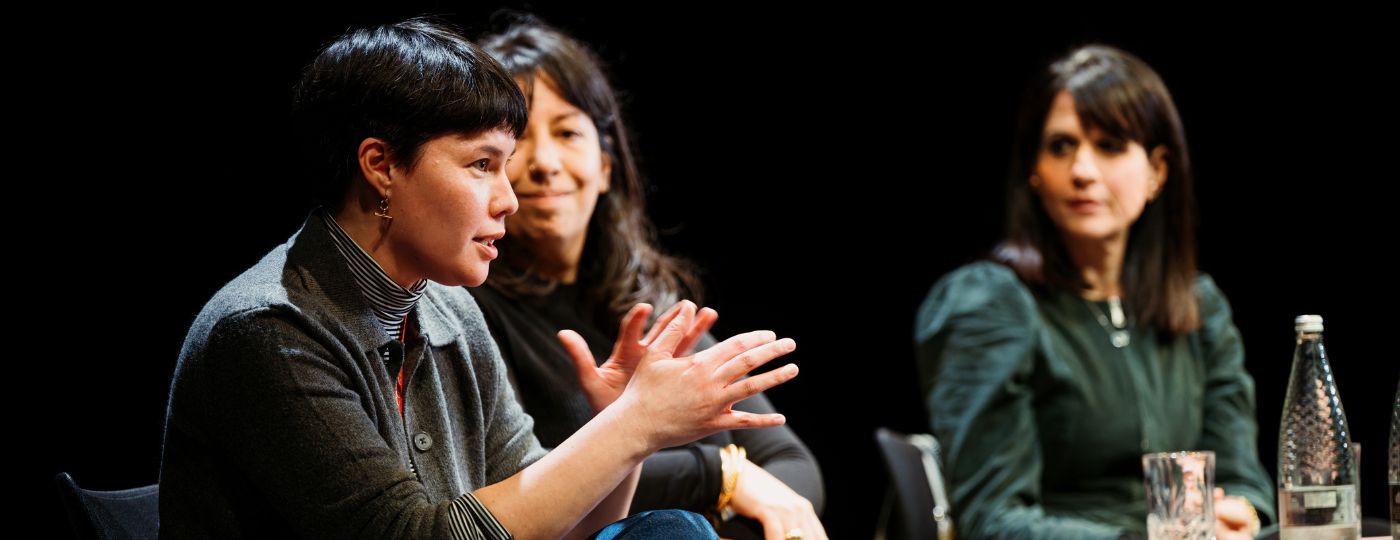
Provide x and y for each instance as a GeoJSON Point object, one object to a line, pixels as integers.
{"type": "Point", "coordinates": [1089, 338]}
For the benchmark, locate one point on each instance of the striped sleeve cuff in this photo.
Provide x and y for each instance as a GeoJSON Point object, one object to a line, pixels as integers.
{"type": "Point", "coordinates": [470, 520]}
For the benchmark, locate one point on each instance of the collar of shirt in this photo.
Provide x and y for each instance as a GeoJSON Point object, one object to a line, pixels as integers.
{"type": "Point", "coordinates": [390, 301]}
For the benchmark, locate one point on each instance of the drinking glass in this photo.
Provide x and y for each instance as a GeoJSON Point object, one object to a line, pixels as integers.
{"type": "Point", "coordinates": [1180, 495]}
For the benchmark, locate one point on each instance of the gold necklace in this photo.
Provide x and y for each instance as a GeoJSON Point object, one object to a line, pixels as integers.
{"type": "Point", "coordinates": [1117, 334]}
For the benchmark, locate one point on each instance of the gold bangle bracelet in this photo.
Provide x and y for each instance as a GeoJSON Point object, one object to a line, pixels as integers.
{"type": "Point", "coordinates": [730, 479]}
{"type": "Point", "coordinates": [731, 459]}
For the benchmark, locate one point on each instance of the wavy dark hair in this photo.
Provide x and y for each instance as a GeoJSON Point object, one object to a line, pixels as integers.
{"type": "Point", "coordinates": [621, 264]}
{"type": "Point", "coordinates": [1121, 95]}
{"type": "Point", "coordinates": [404, 83]}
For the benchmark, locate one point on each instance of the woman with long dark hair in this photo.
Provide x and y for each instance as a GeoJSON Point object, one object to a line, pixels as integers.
{"type": "Point", "coordinates": [346, 386]}
{"type": "Point", "coordinates": [579, 254]}
{"type": "Point", "coordinates": [1090, 337]}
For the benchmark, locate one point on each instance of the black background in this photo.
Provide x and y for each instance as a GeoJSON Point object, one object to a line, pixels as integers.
{"type": "Point", "coordinates": [823, 167]}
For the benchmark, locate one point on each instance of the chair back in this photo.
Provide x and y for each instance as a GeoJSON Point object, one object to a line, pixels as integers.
{"type": "Point", "coordinates": [111, 515]}
{"type": "Point", "coordinates": [918, 509]}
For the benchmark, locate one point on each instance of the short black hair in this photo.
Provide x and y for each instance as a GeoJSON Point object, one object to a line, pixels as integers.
{"type": "Point", "coordinates": [403, 83]}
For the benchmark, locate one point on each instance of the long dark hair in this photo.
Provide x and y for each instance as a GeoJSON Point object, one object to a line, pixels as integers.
{"type": "Point", "coordinates": [620, 263]}
{"type": "Point", "coordinates": [1121, 95]}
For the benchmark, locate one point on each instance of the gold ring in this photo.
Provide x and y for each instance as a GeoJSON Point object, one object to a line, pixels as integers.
{"type": "Point", "coordinates": [531, 167]}
{"type": "Point", "coordinates": [794, 533]}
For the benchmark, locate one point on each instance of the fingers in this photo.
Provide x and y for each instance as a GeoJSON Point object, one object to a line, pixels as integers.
{"type": "Point", "coordinates": [734, 346]}
{"type": "Point", "coordinates": [578, 352]}
{"type": "Point", "coordinates": [746, 388]}
{"type": "Point", "coordinates": [1230, 511]}
{"type": "Point", "coordinates": [813, 530]}
{"type": "Point", "coordinates": [782, 516]}
{"type": "Point", "coordinates": [664, 346]}
{"type": "Point", "coordinates": [661, 323]}
{"type": "Point", "coordinates": [630, 333]}
{"type": "Point", "coordinates": [747, 420]}
{"type": "Point", "coordinates": [703, 321]}
{"type": "Point", "coordinates": [772, 527]}
{"type": "Point", "coordinates": [737, 366]}
{"type": "Point", "coordinates": [777, 525]}
{"type": "Point", "coordinates": [811, 527]}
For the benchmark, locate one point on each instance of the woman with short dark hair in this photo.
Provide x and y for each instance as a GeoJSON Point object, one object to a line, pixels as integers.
{"type": "Point", "coordinates": [580, 253]}
{"type": "Point", "coordinates": [346, 386]}
{"type": "Point", "coordinates": [1090, 338]}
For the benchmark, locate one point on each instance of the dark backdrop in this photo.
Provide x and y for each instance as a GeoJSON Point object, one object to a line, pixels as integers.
{"type": "Point", "coordinates": [823, 168]}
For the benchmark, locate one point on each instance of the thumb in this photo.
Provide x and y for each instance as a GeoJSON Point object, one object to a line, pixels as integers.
{"type": "Point", "coordinates": [666, 343]}
{"type": "Point", "coordinates": [580, 355]}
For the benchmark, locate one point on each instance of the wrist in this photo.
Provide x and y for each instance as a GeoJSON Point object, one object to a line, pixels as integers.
{"type": "Point", "coordinates": [732, 464]}
{"type": "Point", "coordinates": [632, 432]}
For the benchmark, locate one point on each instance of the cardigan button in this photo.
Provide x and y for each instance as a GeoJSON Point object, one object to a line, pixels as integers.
{"type": "Point", "coordinates": [423, 441]}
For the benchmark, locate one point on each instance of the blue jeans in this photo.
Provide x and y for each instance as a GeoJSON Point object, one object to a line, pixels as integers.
{"type": "Point", "coordinates": [667, 524]}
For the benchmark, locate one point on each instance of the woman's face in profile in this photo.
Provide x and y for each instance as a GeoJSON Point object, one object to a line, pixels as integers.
{"type": "Point", "coordinates": [450, 208]}
{"type": "Point", "coordinates": [1092, 185]}
{"type": "Point", "coordinates": [558, 172]}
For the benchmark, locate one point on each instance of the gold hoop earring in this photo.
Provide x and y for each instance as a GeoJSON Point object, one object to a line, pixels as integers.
{"type": "Point", "coordinates": [384, 209]}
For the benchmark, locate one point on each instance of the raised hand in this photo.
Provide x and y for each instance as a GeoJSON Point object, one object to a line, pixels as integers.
{"type": "Point", "coordinates": [674, 401]}
{"type": "Point", "coordinates": [603, 384]}
{"type": "Point", "coordinates": [704, 319]}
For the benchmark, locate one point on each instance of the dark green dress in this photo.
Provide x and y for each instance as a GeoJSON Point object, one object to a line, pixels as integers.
{"type": "Point", "coordinates": [1043, 422]}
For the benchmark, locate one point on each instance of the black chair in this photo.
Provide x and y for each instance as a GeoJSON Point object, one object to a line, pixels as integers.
{"type": "Point", "coordinates": [917, 508]}
{"type": "Point", "coordinates": [110, 515]}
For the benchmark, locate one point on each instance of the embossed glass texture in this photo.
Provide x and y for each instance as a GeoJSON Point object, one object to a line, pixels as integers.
{"type": "Point", "coordinates": [1316, 467]}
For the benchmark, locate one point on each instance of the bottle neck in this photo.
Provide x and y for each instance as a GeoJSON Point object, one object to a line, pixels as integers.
{"type": "Point", "coordinates": [1309, 336]}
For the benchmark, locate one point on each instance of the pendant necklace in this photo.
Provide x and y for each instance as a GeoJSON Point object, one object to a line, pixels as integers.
{"type": "Point", "coordinates": [1118, 333]}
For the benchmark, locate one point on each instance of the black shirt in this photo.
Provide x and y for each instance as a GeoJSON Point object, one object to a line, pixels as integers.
{"type": "Point", "coordinates": [546, 385]}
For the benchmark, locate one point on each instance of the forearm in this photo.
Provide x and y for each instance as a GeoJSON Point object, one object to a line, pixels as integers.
{"type": "Point", "coordinates": [562, 489]}
{"type": "Point", "coordinates": [612, 508]}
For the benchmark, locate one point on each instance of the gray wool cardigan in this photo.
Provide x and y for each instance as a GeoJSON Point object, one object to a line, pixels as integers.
{"type": "Point", "coordinates": [283, 422]}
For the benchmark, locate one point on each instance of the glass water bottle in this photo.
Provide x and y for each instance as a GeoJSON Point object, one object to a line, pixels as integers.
{"type": "Point", "coordinates": [1316, 468]}
{"type": "Point", "coordinates": [1395, 466]}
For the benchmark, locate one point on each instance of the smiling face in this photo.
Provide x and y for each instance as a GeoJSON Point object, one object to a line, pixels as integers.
{"type": "Point", "coordinates": [1093, 186]}
{"type": "Point", "coordinates": [449, 210]}
{"type": "Point", "coordinates": [558, 172]}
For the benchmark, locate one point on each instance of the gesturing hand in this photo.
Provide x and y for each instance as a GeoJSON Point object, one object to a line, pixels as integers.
{"type": "Point", "coordinates": [603, 384]}
{"type": "Point", "coordinates": [672, 401]}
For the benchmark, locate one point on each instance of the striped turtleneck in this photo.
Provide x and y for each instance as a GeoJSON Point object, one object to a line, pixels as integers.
{"type": "Point", "coordinates": [466, 516]}
{"type": "Point", "coordinates": [390, 301]}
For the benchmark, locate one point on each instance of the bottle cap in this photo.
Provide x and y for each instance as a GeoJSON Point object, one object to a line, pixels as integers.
{"type": "Point", "coordinates": [1308, 323]}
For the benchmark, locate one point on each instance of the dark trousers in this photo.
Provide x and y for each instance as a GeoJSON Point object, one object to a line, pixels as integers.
{"type": "Point", "coordinates": [668, 524]}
